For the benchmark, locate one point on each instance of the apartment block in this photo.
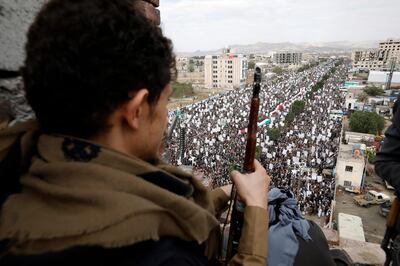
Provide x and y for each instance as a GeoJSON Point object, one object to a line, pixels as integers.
{"type": "Point", "coordinates": [227, 70]}
{"type": "Point", "coordinates": [378, 59]}
{"type": "Point", "coordinates": [287, 58]}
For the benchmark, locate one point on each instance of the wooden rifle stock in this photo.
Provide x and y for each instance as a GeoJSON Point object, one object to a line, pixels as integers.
{"type": "Point", "coordinates": [248, 167]}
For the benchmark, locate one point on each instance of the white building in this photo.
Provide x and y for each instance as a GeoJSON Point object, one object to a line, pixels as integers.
{"type": "Point", "coordinates": [351, 101]}
{"type": "Point", "coordinates": [287, 58]}
{"type": "Point", "coordinates": [381, 77]}
{"type": "Point", "coordinates": [350, 166]}
{"type": "Point", "coordinates": [225, 71]}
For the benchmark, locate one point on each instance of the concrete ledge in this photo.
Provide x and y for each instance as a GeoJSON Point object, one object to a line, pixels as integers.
{"type": "Point", "coordinates": [363, 253]}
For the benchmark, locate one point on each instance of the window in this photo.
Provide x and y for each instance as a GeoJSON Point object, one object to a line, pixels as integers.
{"type": "Point", "coordinates": [347, 183]}
{"type": "Point", "coordinates": [349, 168]}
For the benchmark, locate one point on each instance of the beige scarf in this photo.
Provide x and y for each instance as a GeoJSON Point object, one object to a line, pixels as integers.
{"type": "Point", "coordinates": [77, 193]}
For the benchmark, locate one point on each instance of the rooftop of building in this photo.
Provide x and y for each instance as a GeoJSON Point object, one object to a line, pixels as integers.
{"type": "Point", "coordinates": [357, 138]}
{"type": "Point", "coordinates": [382, 76]}
{"type": "Point", "coordinates": [390, 41]}
{"type": "Point", "coordinates": [351, 152]}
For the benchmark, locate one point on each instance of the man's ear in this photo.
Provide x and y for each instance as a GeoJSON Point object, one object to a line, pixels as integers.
{"type": "Point", "coordinates": [135, 107]}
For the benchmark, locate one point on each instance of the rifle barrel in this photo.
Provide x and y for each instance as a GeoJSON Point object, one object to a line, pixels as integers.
{"type": "Point", "coordinates": [237, 218]}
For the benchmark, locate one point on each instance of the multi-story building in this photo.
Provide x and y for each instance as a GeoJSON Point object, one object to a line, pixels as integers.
{"type": "Point", "coordinates": [377, 59]}
{"type": "Point", "coordinates": [287, 58]}
{"type": "Point", "coordinates": [389, 50]}
{"type": "Point", "coordinates": [350, 167]}
{"type": "Point", "coordinates": [227, 70]}
{"type": "Point", "coordinates": [367, 59]}
{"type": "Point", "coordinates": [182, 64]}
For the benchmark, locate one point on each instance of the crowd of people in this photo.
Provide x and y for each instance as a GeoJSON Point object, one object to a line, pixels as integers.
{"type": "Point", "coordinates": [215, 136]}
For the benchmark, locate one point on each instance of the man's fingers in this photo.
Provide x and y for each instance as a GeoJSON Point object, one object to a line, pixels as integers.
{"type": "Point", "coordinates": [259, 168]}
{"type": "Point", "coordinates": [234, 174]}
{"type": "Point", "coordinates": [257, 164]}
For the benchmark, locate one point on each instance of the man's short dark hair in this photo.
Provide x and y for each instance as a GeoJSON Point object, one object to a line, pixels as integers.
{"type": "Point", "coordinates": [85, 56]}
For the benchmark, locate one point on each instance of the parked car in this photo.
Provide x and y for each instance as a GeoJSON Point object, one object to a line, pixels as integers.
{"type": "Point", "coordinates": [371, 198]}
{"type": "Point", "coordinates": [384, 208]}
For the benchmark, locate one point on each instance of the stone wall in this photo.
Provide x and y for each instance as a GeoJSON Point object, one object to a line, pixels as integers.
{"type": "Point", "coordinates": [11, 91]}
{"type": "Point", "coordinates": [15, 18]}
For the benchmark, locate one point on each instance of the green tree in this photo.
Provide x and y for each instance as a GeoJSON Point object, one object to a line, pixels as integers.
{"type": "Point", "coordinates": [258, 152]}
{"type": "Point", "coordinates": [371, 155]}
{"type": "Point", "coordinates": [236, 167]}
{"type": "Point", "coordinates": [274, 133]}
{"type": "Point", "coordinates": [363, 97]}
{"type": "Point", "coordinates": [251, 64]}
{"type": "Point", "coordinates": [373, 91]}
{"type": "Point", "coordinates": [320, 84]}
{"type": "Point", "coordinates": [339, 62]}
{"type": "Point", "coordinates": [277, 70]}
{"type": "Point", "coordinates": [298, 107]}
{"type": "Point", "coordinates": [290, 117]}
{"type": "Point", "coordinates": [367, 122]}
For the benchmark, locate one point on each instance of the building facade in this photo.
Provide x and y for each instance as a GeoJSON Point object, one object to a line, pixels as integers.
{"type": "Point", "coordinates": [227, 70]}
{"type": "Point", "coordinates": [367, 59]}
{"type": "Point", "coordinates": [389, 50]}
{"type": "Point", "coordinates": [350, 167]}
{"type": "Point", "coordinates": [287, 58]}
{"type": "Point", "coordinates": [378, 59]}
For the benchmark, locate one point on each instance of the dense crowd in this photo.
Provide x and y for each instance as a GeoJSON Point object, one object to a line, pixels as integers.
{"type": "Point", "coordinates": [215, 136]}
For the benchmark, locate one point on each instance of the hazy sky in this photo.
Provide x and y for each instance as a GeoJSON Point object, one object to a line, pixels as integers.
{"type": "Point", "coordinates": [212, 24]}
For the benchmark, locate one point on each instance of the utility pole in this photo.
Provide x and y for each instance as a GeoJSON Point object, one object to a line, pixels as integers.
{"type": "Point", "coordinates": [176, 122]}
{"type": "Point", "coordinates": [390, 75]}
{"type": "Point", "coordinates": [182, 142]}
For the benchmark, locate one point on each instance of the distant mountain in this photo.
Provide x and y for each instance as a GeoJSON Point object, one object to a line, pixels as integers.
{"type": "Point", "coordinates": [265, 48]}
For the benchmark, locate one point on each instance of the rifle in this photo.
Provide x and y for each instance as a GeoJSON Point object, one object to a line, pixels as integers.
{"type": "Point", "coordinates": [248, 167]}
{"type": "Point", "coordinates": [391, 232]}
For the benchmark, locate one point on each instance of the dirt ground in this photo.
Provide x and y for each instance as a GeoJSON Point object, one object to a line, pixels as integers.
{"type": "Point", "coordinates": [374, 224]}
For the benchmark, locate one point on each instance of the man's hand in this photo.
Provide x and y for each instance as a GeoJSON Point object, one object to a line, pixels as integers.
{"type": "Point", "coordinates": [227, 189]}
{"type": "Point", "coordinates": [253, 187]}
